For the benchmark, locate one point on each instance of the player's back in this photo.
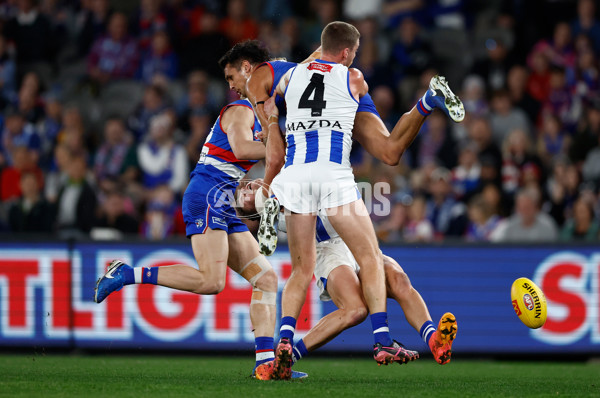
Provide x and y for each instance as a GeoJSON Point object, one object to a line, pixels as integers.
{"type": "Point", "coordinates": [320, 114]}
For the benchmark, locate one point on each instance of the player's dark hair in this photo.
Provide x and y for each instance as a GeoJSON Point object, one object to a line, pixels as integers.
{"type": "Point", "coordinates": [249, 50]}
{"type": "Point", "coordinates": [337, 36]}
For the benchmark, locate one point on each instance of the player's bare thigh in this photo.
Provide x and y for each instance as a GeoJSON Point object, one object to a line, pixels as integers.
{"type": "Point", "coordinates": [343, 285]}
{"type": "Point", "coordinates": [242, 249]}
{"type": "Point", "coordinates": [353, 224]}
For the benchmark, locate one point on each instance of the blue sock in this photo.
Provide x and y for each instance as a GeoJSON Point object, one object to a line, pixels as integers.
{"type": "Point", "coordinates": [381, 331]}
{"type": "Point", "coordinates": [264, 350]}
{"type": "Point", "coordinates": [150, 275]}
{"type": "Point", "coordinates": [425, 104]}
{"type": "Point", "coordinates": [299, 351]}
{"type": "Point", "coordinates": [128, 275]}
{"type": "Point", "coordinates": [288, 327]}
{"type": "Point", "coordinates": [427, 331]}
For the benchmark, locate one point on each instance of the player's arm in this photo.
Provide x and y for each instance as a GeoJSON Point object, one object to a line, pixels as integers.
{"type": "Point", "coordinates": [315, 55]}
{"type": "Point", "coordinates": [275, 156]}
{"type": "Point", "coordinates": [258, 88]}
{"type": "Point", "coordinates": [237, 122]}
{"type": "Point", "coordinates": [370, 131]}
{"type": "Point", "coordinates": [358, 86]}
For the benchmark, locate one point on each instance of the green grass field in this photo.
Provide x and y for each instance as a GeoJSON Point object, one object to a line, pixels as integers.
{"type": "Point", "coordinates": [201, 376]}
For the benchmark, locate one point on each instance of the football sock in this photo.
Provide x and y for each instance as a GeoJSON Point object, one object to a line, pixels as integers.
{"type": "Point", "coordinates": [264, 350]}
{"type": "Point", "coordinates": [128, 274]}
{"type": "Point", "coordinates": [147, 275]}
{"type": "Point", "coordinates": [424, 106]}
{"type": "Point", "coordinates": [288, 327]}
{"type": "Point", "coordinates": [299, 351]}
{"type": "Point", "coordinates": [427, 331]}
{"type": "Point", "coordinates": [381, 331]}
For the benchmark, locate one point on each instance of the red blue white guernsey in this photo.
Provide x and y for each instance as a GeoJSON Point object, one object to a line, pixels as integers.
{"type": "Point", "coordinates": [217, 157]}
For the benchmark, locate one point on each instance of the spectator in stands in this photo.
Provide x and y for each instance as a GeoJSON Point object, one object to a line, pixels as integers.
{"type": "Point", "coordinates": [23, 161]}
{"type": "Point", "coordinates": [559, 51]}
{"type": "Point", "coordinates": [529, 224]}
{"type": "Point", "coordinates": [91, 24]}
{"type": "Point", "coordinates": [205, 50]}
{"type": "Point", "coordinates": [494, 68]}
{"type": "Point", "coordinates": [586, 138]}
{"type": "Point", "coordinates": [395, 11]}
{"type": "Point", "coordinates": [159, 221]}
{"type": "Point", "coordinates": [113, 215]}
{"type": "Point", "coordinates": [391, 229]}
{"type": "Point", "coordinates": [76, 203]}
{"type": "Point", "coordinates": [29, 106]}
{"type": "Point", "coordinates": [115, 55]}
{"type": "Point", "coordinates": [294, 47]}
{"type": "Point", "coordinates": [560, 100]}
{"type": "Point", "coordinates": [161, 160]}
{"type": "Point", "coordinates": [517, 153]}
{"type": "Point", "coordinates": [8, 71]}
{"type": "Point", "coordinates": [49, 127]}
{"type": "Point", "coordinates": [484, 224]}
{"type": "Point", "coordinates": [197, 118]}
{"type": "Point", "coordinates": [419, 228]}
{"type": "Point", "coordinates": [591, 165]}
{"type": "Point", "coordinates": [72, 133]}
{"type": "Point", "coordinates": [32, 34]}
{"type": "Point", "coordinates": [582, 78]}
{"type": "Point", "coordinates": [587, 23]}
{"type": "Point", "coordinates": [552, 139]}
{"type": "Point", "coordinates": [517, 80]}
{"type": "Point", "coordinates": [582, 225]}
{"type": "Point", "coordinates": [238, 25]}
{"type": "Point", "coordinates": [442, 209]}
{"type": "Point", "coordinates": [57, 176]}
{"type": "Point", "coordinates": [467, 173]}
{"type": "Point", "coordinates": [153, 103]}
{"type": "Point", "coordinates": [410, 54]}
{"type": "Point", "coordinates": [116, 157]}
{"type": "Point", "coordinates": [18, 133]}
{"type": "Point", "coordinates": [434, 144]}
{"type": "Point", "coordinates": [505, 117]}
{"type": "Point", "coordinates": [31, 212]}
{"type": "Point", "coordinates": [148, 20]}
{"type": "Point", "coordinates": [538, 82]}
{"type": "Point", "coordinates": [159, 59]}
{"type": "Point", "coordinates": [480, 132]}
{"type": "Point", "coordinates": [473, 96]}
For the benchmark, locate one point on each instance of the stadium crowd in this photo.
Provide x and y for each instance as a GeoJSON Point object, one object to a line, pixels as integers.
{"type": "Point", "coordinates": [106, 105]}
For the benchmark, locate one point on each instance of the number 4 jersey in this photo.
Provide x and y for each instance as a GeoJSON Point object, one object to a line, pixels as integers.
{"type": "Point", "coordinates": [320, 114]}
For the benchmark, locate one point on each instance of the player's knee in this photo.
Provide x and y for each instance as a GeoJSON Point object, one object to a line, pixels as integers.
{"type": "Point", "coordinates": [267, 282]}
{"type": "Point", "coordinates": [356, 315]}
{"type": "Point", "coordinates": [212, 285]}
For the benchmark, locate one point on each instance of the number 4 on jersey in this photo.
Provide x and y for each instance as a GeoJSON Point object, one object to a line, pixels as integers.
{"type": "Point", "coordinates": [317, 104]}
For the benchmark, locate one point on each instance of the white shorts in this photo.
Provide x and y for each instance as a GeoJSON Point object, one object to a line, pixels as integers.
{"type": "Point", "coordinates": [308, 187]}
{"type": "Point", "coordinates": [331, 254]}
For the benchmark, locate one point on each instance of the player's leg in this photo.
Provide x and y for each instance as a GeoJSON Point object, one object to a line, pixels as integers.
{"type": "Point", "coordinates": [354, 226]}
{"type": "Point", "coordinates": [344, 289]}
{"type": "Point", "coordinates": [210, 251]}
{"type": "Point", "coordinates": [440, 96]}
{"type": "Point", "coordinates": [245, 259]}
{"type": "Point", "coordinates": [301, 242]}
{"type": "Point", "coordinates": [415, 310]}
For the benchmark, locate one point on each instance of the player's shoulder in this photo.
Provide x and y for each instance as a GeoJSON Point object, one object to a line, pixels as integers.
{"type": "Point", "coordinates": [356, 74]}
{"type": "Point", "coordinates": [237, 108]}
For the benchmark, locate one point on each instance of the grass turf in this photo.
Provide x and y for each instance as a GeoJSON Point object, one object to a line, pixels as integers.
{"type": "Point", "coordinates": [201, 376]}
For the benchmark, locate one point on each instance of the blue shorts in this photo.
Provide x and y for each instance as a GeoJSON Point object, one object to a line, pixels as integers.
{"type": "Point", "coordinates": [207, 203]}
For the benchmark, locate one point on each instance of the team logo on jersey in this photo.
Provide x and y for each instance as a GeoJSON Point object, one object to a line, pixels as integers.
{"type": "Point", "coordinates": [199, 223]}
{"type": "Point", "coordinates": [320, 67]}
{"type": "Point", "coordinates": [218, 220]}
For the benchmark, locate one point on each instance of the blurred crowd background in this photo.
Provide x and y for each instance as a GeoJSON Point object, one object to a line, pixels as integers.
{"type": "Point", "coordinates": [105, 106]}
